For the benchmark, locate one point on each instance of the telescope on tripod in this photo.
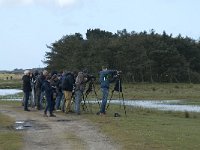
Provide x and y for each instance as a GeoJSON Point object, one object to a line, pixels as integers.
{"type": "Point", "coordinates": [118, 88]}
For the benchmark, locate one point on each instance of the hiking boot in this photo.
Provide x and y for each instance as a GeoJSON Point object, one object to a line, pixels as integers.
{"type": "Point", "coordinates": [52, 115]}
{"type": "Point", "coordinates": [45, 115]}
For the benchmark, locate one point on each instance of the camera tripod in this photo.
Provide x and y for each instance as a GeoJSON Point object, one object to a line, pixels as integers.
{"type": "Point", "coordinates": [118, 88]}
{"type": "Point", "coordinates": [91, 87]}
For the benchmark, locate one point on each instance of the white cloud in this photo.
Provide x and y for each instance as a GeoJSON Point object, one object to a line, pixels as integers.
{"type": "Point", "coordinates": [64, 3]}
{"type": "Point", "coordinates": [59, 3]}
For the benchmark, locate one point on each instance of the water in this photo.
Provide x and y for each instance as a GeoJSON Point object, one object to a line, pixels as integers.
{"type": "Point", "coordinates": [165, 105]}
{"type": "Point", "coordinates": [4, 92]}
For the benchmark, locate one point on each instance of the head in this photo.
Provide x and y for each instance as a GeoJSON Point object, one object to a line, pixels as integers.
{"type": "Point", "coordinates": [27, 72]}
{"type": "Point", "coordinates": [54, 77]}
{"type": "Point", "coordinates": [45, 73]}
{"type": "Point", "coordinates": [48, 78]}
{"type": "Point", "coordinates": [104, 68]}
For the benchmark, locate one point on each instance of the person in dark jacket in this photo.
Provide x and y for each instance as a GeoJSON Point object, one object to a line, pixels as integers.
{"type": "Point", "coordinates": [26, 88]}
{"type": "Point", "coordinates": [54, 83]}
{"type": "Point", "coordinates": [67, 87]}
{"type": "Point", "coordinates": [59, 92]}
{"type": "Point", "coordinates": [49, 96]}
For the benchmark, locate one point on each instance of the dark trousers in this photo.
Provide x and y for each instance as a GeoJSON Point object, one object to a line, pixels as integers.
{"type": "Point", "coordinates": [26, 98]}
{"type": "Point", "coordinates": [49, 105]}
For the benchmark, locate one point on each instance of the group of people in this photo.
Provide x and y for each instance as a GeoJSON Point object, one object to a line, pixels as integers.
{"type": "Point", "coordinates": [57, 86]}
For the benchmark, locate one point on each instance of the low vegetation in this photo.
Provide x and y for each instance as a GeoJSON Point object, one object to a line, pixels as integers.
{"type": "Point", "coordinates": [150, 129]}
{"type": "Point", "coordinates": [9, 138]}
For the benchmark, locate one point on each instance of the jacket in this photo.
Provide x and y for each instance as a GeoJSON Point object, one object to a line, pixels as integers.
{"type": "Point", "coordinates": [26, 83]}
{"type": "Point", "coordinates": [68, 82]}
{"type": "Point", "coordinates": [106, 77]}
{"type": "Point", "coordinates": [80, 82]}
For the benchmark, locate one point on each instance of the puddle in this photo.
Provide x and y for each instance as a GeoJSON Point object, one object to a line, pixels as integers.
{"type": "Point", "coordinates": [22, 125]}
{"type": "Point", "coordinates": [4, 92]}
{"type": "Point", "coordinates": [29, 125]}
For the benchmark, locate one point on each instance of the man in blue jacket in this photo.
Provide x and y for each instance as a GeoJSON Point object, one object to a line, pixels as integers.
{"type": "Point", "coordinates": [105, 79]}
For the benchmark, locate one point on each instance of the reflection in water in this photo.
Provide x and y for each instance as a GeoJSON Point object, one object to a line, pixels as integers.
{"type": "Point", "coordinates": [4, 92]}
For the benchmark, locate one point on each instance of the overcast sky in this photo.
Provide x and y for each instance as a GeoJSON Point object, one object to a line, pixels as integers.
{"type": "Point", "coordinates": [26, 26]}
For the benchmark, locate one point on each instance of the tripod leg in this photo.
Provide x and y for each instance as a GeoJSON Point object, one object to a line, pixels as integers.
{"type": "Point", "coordinates": [96, 96]}
{"type": "Point", "coordinates": [84, 106]}
{"type": "Point", "coordinates": [110, 100]}
{"type": "Point", "coordinates": [124, 104]}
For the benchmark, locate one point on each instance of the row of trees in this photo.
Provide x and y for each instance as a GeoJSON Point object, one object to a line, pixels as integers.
{"type": "Point", "coordinates": [142, 57]}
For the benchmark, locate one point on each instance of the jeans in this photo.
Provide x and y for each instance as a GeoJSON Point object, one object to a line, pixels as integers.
{"type": "Point", "coordinates": [26, 98]}
{"type": "Point", "coordinates": [78, 99]}
{"type": "Point", "coordinates": [58, 99]}
{"type": "Point", "coordinates": [49, 104]}
{"type": "Point", "coordinates": [105, 92]}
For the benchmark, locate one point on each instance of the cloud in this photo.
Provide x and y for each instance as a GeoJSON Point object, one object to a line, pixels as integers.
{"type": "Point", "coordinates": [59, 3]}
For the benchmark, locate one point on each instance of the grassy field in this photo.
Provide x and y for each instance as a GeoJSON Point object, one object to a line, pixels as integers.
{"type": "Point", "coordinates": [9, 139]}
{"type": "Point", "coordinates": [10, 76]}
{"type": "Point", "coordinates": [149, 129]}
{"type": "Point", "coordinates": [7, 83]}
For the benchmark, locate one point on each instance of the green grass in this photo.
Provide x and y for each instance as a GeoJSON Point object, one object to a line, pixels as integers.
{"type": "Point", "coordinates": [150, 129]}
{"type": "Point", "coordinates": [156, 91]}
{"type": "Point", "coordinates": [10, 84]}
{"type": "Point", "coordinates": [8, 76]}
{"type": "Point", "coordinates": [9, 139]}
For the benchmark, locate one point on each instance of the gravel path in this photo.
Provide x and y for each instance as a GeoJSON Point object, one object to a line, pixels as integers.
{"type": "Point", "coordinates": [63, 132]}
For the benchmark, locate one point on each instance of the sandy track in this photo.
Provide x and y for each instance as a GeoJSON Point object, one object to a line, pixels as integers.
{"type": "Point", "coordinates": [63, 132]}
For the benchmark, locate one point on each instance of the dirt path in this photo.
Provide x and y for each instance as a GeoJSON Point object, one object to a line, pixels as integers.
{"type": "Point", "coordinates": [63, 132]}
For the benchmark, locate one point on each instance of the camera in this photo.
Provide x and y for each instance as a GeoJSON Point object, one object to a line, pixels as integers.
{"type": "Point", "coordinates": [90, 78]}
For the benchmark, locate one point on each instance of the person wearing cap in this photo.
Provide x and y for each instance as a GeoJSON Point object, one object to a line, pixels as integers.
{"type": "Point", "coordinates": [26, 88]}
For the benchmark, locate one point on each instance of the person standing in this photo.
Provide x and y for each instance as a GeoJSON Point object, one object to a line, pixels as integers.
{"type": "Point", "coordinates": [105, 79]}
{"type": "Point", "coordinates": [47, 88]}
{"type": "Point", "coordinates": [38, 87]}
{"type": "Point", "coordinates": [26, 88]}
{"type": "Point", "coordinates": [67, 87]}
{"type": "Point", "coordinates": [80, 84]}
{"type": "Point", "coordinates": [59, 92]}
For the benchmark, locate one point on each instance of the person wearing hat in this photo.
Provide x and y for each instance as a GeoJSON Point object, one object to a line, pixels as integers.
{"type": "Point", "coordinates": [26, 88]}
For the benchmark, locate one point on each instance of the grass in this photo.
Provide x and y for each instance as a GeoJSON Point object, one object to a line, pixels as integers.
{"type": "Point", "coordinates": [10, 84]}
{"type": "Point", "coordinates": [10, 76]}
{"type": "Point", "coordinates": [9, 139]}
{"type": "Point", "coordinates": [150, 129]}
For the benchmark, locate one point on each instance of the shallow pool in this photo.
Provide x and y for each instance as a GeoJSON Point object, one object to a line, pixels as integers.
{"type": "Point", "coordinates": [4, 92]}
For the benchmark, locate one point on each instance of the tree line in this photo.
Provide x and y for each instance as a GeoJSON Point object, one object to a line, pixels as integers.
{"type": "Point", "coordinates": [142, 57]}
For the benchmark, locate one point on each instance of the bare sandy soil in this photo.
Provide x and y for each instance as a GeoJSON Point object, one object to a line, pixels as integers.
{"type": "Point", "coordinates": [63, 132]}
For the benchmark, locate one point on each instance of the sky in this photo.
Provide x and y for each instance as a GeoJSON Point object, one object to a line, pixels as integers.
{"type": "Point", "coordinates": [27, 26]}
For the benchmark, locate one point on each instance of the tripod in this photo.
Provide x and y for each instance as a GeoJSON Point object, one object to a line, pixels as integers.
{"type": "Point", "coordinates": [91, 87]}
{"type": "Point", "coordinates": [118, 88]}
